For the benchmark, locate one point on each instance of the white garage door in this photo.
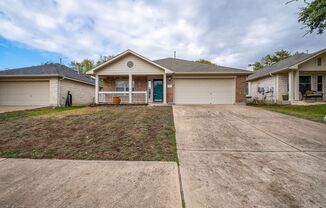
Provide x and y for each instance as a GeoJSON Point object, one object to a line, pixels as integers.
{"type": "Point", "coordinates": [24, 93]}
{"type": "Point", "coordinates": [204, 91]}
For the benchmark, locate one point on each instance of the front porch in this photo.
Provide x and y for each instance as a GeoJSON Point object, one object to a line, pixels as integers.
{"type": "Point", "coordinates": [306, 86]}
{"type": "Point", "coordinates": [145, 89]}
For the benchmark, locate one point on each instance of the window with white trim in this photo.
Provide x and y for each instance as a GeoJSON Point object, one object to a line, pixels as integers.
{"type": "Point", "coordinates": [247, 88]}
{"type": "Point", "coordinates": [123, 85]}
{"type": "Point", "coordinates": [320, 83]}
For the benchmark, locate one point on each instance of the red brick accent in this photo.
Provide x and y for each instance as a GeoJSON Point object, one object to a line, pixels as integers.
{"type": "Point", "coordinates": [109, 83]}
{"type": "Point", "coordinates": [140, 83]}
{"type": "Point", "coordinates": [240, 90]}
{"type": "Point", "coordinates": [169, 91]}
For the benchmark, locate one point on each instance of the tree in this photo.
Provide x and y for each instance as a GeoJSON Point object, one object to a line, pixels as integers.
{"type": "Point", "coordinates": [83, 66]}
{"type": "Point", "coordinates": [269, 59]}
{"type": "Point", "coordinates": [313, 15]}
{"type": "Point", "coordinates": [87, 64]}
{"type": "Point", "coordinates": [204, 61]}
{"type": "Point", "coordinates": [103, 59]}
{"type": "Point", "coordinates": [258, 65]}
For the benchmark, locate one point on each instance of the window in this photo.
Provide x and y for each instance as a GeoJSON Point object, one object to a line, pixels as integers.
{"type": "Point", "coordinates": [247, 89]}
{"type": "Point", "coordinates": [320, 83]}
{"type": "Point", "coordinates": [304, 84]}
{"type": "Point", "coordinates": [123, 85]}
{"type": "Point", "coordinates": [318, 61]}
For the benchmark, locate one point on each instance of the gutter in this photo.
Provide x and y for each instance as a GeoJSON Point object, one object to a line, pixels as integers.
{"type": "Point", "coordinates": [45, 75]}
{"type": "Point", "coordinates": [215, 73]}
{"type": "Point", "coordinates": [30, 75]}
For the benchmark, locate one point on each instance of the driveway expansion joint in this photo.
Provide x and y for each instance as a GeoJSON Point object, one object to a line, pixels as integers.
{"type": "Point", "coordinates": [276, 137]}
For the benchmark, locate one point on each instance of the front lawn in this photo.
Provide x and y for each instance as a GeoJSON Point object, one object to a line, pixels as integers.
{"type": "Point", "coordinates": [99, 133]}
{"type": "Point", "coordinates": [311, 112]}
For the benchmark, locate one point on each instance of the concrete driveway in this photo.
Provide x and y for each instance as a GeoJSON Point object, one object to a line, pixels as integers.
{"type": "Point", "coordinates": [239, 156]}
{"type": "Point", "coordinates": [10, 108]}
{"type": "Point", "coordinates": [83, 184]}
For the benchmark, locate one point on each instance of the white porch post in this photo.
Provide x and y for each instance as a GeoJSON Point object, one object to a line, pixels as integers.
{"type": "Point", "coordinates": [96, 89]}
{"type": "Point", "coordinates": [130, 88]}
{"type": "Point", "coordinates": [296, 86]}
{"type": "Point", "coordinates": [291, 86]}
{"type": "Point", "coordinates": [164, 88]}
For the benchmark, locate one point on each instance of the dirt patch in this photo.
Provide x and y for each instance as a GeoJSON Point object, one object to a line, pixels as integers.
{"type": "Point", "coordinates": [106, 133]}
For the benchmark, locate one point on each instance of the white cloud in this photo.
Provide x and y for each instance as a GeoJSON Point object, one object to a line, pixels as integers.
{"type": "Point", "coordinates": [229, 33]}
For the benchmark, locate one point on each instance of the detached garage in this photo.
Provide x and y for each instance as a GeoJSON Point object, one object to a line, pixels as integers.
{"type": "Point", "coordinates": [44, 85]}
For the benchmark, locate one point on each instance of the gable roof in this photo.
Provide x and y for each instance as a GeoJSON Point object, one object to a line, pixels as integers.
{"type": "Point", "coordinates": [180, 66]}
{"type": "Point", "coordinates": [284, 65]}
{"type": "Point", "coordinates": [47, 70]}
{"type": "Point", "coordinates": [92, 72]}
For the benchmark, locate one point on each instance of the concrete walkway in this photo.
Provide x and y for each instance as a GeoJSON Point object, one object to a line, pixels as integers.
{"type": "Point", "coordinates": [84, 184]}
{"type": "Point", "coordinates": [239, 156]}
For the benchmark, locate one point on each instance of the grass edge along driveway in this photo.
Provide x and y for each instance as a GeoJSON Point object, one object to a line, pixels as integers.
{"type": "Point", "coordinates": [310, 112]}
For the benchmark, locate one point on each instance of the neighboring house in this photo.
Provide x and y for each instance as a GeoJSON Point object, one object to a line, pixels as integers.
{"type": "Point", "coordinates": [45, 85]}
{"type": "Point", "coordinates": [290, 79]}
{"type": "Point", "coordinates": [167, 80]}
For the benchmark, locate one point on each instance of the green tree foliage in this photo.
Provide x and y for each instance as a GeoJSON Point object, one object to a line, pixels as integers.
{"type": "Point", "coordinates": [313, 15]}
{"type": "Point", "coordinates": [204, 61]}
{"type": "Point", "coordinates": [87, 64]}
{"type": "Point", "coordinates": [271, 59]}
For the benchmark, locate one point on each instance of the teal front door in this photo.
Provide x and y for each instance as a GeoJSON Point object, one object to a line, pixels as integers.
{"type": "Point", "coordinates": [158, 90]}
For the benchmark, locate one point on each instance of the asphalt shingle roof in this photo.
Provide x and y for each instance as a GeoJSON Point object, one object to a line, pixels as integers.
{"type": "Point", "coordinates": [184, 66]}
{"type": "Point", "coordinates": [282, 65]}
{"type": "Point", "coordinates": [48, 69]}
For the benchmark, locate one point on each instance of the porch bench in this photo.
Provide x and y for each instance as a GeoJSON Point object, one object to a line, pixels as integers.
{"type": "Point", "coordinates": [313, 95]}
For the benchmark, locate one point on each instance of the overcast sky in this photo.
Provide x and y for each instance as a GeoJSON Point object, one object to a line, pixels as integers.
{"type": "Point", "coordinates": [228, 32]}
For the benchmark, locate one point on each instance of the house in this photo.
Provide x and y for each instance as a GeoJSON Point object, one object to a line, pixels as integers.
{"type": "Point", "coordinates": [45, 85]}
{"type": "Point", "coordinates": [299, 77]}
{"type": "Point", "coordinates": [168, 80]}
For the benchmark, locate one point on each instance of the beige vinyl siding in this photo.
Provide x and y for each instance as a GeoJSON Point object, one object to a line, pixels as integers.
{"type": "Point", "coordinates": [82, 94]}
{"type": "Point", "coordinates": [311, 65]}
{"type": "Point", "coordinates": [204, 91]}
{"type": "Point", "coordinates": [119, 67]}
{"type": "Point", "coordinates": [24, 93]}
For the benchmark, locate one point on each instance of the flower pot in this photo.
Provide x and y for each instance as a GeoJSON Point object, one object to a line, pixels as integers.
{"type": "Point", "coordinates": [116, 100]}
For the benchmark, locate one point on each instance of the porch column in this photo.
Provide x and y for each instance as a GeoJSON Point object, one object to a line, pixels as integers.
{"type": "Point", "coordinates": [291, 86]}
{"type": "Point", "coordinates": [296, 86]}
{"type": "Point", "coordinates": [164, 88]}
{"type": "Point", "coordinates": [130, 88]}
{"type": "Point", "coordinates": [96, 89]}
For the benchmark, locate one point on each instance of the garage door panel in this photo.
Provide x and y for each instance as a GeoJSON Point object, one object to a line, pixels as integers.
{"type": "Point", "coordinates": [24, 93]}
{"type": "Point", "coordinates": [204, 91]}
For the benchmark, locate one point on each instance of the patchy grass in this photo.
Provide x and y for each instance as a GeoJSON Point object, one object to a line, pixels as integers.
{"type": "Point", "coordinates": [36, 112]}
{"type": "Point", "coordinates": [311, 112]}
{"type": "Point", "coordinates": [99, 133]}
